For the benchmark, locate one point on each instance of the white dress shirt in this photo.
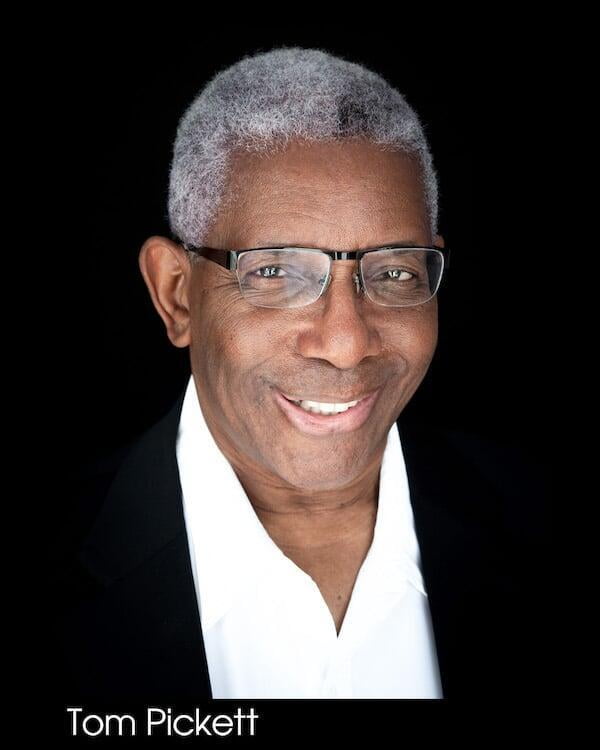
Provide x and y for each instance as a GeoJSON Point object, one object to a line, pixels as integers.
{"type": "Point", "coordinates": [268, 632]}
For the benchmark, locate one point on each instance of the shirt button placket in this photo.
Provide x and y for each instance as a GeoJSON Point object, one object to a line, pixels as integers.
{"type": "Point", "coordinates": [331, 690]}
{"type": "Point", "coordinates": [343, 681]}
{"type": "Point", "coordinates": [337, 682]}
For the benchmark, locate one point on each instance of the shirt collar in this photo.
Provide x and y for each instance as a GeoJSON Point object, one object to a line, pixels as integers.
{"type": "Point", "coordinates": [229, 546]}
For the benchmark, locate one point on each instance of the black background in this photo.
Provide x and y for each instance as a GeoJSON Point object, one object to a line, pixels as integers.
{"type": "Point", "coordinates": [107, 108]}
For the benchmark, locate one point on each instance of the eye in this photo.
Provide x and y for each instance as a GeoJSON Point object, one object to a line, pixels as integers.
{"type": "Point", "coordinates": [269, 271]}
{"type": "Point", "coordinates": [395, 273]}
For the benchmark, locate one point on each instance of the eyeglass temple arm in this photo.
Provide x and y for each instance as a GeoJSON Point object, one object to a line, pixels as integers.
{"type": "Point", "coordinates": [222, 257]}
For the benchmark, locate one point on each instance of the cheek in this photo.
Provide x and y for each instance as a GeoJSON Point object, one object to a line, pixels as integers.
{"type": "Point", "coordinates": [228, 343]}
{"type": "Point", "coordinates": [426, 333]}
{"type": "Point", "coordinates": [414, 335]}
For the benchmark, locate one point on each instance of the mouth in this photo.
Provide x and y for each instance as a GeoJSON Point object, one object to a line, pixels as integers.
{"type": "Point", "coordinates": [325, 418]}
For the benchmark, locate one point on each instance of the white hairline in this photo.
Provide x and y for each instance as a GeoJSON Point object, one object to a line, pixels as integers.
{"type": "Point", "coordinates": [264, 101]}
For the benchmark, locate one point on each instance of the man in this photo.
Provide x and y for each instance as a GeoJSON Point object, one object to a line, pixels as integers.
{"type": "Point", "coordinates": [283, 531]}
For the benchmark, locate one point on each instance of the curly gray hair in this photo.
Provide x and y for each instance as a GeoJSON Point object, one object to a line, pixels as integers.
{"type": "Point", "coordinates": [263, 101]}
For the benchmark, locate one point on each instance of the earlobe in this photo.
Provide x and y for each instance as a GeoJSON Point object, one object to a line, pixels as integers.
{"type": "Point", "coordinates": [165, 269]}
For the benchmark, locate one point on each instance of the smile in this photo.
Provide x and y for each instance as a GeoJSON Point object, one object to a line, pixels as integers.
{"type": "Point", "coordinates": [325, 418]}
{"type": "Point", "coordinates": [320, 407]}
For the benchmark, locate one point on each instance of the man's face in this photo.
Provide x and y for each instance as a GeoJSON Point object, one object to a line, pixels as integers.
{"type": "Point", "coordinates": [338, 196]}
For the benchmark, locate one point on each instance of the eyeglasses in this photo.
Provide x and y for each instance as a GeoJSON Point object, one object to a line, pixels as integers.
{"type": "Point", "coordinates": [284, 277]}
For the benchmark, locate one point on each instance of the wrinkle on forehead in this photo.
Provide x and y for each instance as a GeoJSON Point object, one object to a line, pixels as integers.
{"type": "Point", "coordinates": [348, 194]}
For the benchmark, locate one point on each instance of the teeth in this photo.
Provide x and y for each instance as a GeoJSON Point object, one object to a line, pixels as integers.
{"type": "Point", "coordinates": [319, 408]}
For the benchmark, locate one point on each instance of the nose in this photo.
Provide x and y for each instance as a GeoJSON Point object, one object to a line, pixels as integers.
{"type": "Point", "coordinates": [341, 329]}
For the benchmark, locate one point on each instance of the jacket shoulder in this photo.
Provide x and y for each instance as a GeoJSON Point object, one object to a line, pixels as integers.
{"type": "Point", "coordinates": [515, 477]}
{"type": "Point", "coordinates": [88, 486]}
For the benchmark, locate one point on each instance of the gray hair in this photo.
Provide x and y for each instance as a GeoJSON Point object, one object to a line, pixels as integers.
{"type": "Point", "coordinates": [263, 101]}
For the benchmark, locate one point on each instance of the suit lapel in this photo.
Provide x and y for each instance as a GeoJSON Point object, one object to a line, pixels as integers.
{"type": "Point", "coordinates": [142, 627]}
{"type": "Point", "coordinates": [459, 528]}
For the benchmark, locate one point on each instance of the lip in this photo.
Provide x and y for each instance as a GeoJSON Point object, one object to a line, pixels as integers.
{"type": "Point", "coordinates": [327, 399]}
{"type": "Point", "coordinates": [322, 424]}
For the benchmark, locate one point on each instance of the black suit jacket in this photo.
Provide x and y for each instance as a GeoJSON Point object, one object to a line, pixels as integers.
{"type": "Point", "coordinates": [129, 627]}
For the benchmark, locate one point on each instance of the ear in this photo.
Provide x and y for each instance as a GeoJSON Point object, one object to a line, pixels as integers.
{"type": "Point", "coordinates": [166, 270]}
{"type": "Point", "coordinates": [439, 241]}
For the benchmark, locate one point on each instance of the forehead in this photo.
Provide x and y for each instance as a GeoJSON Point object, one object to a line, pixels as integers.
{"type": "Point", "coordinates": [348, 194]}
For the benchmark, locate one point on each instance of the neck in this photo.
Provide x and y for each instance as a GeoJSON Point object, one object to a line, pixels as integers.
{"type": "Point", "coordinates": [316, 519]}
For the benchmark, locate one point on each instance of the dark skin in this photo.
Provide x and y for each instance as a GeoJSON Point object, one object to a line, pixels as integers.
{"type": "Point", "coordinates": [315, 495]}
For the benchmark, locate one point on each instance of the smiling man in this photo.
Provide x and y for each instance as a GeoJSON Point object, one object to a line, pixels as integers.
{"type": "Point", "coordinates": [282, 531]}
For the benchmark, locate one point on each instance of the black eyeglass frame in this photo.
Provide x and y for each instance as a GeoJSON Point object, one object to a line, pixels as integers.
{"type": "Point", "coordinates": [228, 259]}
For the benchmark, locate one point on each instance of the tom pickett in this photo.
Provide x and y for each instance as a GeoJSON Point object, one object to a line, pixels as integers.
{"type": "Point", "coordinates": [161, 721]}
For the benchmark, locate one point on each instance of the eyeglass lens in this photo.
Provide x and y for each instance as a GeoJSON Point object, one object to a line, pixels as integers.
{"type": "Point", "coordinates": [294, 277]}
